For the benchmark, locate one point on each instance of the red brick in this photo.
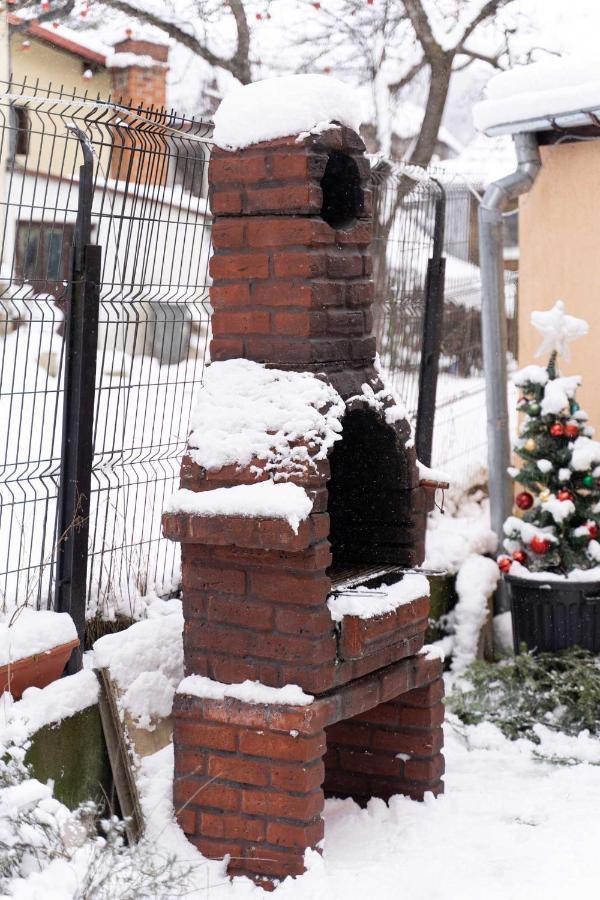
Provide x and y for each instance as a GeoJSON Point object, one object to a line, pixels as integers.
{"type": "Point", "coordinates": [187, 761]}
{"type": "Point", "coordinates": [235, 169]}
{"type": "Point", "coordinates": [205, 578]}
{"type": "Point", "coordinates": [300, 836]}
{"type": "Point", "coordinates": [290, 165]}
{"type": "Point", "coordinates": [303, 621]}
{"type": "Point", "coordinates": [227, 296]}
{"type": "Point", "coordinates": [289, 588]}
{"type": "Point", "coordinates": [350, 734]}
{"type": "Point", "coordinates": [301, 264]}
{"type": "Point", "coordinates": [361, 233]}
{"type": "Point", "coordinates": [234, 669]}
{"type": "Point", "coordinates": [186, 819]}
{"type": "Point", "coordinates": [282, 293]}
{"type": "Point", "coordinates": [291, 198]}
{"type": "Point", "coordinates": [421, 743]}
{"type": "Point", "coordinates": [214, 849]}
{"type": "Point", "coordinates": [229, 233]}
{"type": "Point", "coordinates": [297, 324]}
{"type": "Point", "coordinates": [359, 293]}
{"type": "Point", "coordinates": [275, 350]}
{"type": "Point", "coordinates": [277, 863]}
{"type": "Point", "coordinates": [430, 717]}
{"type": "Point", "coordinates": [231, 266]}
{"type": "Point", "coordinates": [242, 771]}
{"type": "Point", "coordinates": [428, 695]}
{"type": "Point", "coordinates": [345, 321]}
{"type": "Point", "coordinates": [202, 734]}
{"type": "Point", "coordinates": [283, 806]}
{"type": "Point", "coordinates": [297, 777]}
{"type": "Point", "coordinates": [226, 348]}
{"type": "Point", "coordinates": [226, 202]}
{"type": "Point", "coordinates": [344, 265]}
{"type": "Point", "coordinates": [233, 611]}
{"type": "Point", "coordinates": [255, 322]}
{"type": "Point", "coordinates": [231, 826]}
{"type": "Point", "coordinates": [285, 232]}
{"type": "Point", "coordinates": [282, 746]}
{"type": "Point", "coordinates": [425, 769]}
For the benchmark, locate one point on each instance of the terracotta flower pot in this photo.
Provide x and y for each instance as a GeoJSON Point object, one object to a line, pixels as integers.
{"type": "Point", "coordinates": [35, 671]}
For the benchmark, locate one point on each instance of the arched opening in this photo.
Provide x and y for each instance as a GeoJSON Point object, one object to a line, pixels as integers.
{"type": "Point", "coordinates": [342, 191]}
{"type": "Point", "coordinates": [367, 495]}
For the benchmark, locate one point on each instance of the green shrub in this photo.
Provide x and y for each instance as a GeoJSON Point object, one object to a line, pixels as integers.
{"type": "Point", "coordinates": [558, 690]}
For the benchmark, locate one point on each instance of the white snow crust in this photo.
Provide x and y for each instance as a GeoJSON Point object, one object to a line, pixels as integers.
{"type": "Point", "coordinates": [558, 392]}
{"type": "Point", "coordinates": [545, 465]}
{"type": "Point", "coordinates": [281, 500]}
{"type": "Point", "coordinates": [29, 631]}
{"type": "Point", "coordinates": [244, 412]}
{"type": "Point", "coordinates": [550, 87]}
{"type": "Point", "coordinates": [527, 531]}
{"type": "Point", "coordinates": [279, 107]}
{"type": "Point", "coordinates": [558, 509]}
{"type": "Point", "coordinates": [592, 574]}
{"type": "Point", "coordinates": [585, 453]}
{"type": "Point", "coordinates": [248, 691]}
{"type": "Point", "coordinates": [532, 373]}
{"type": "Point", "coordinates": [426, 473]}
{"type": "Point", "coordinates": [45, 706]}
{"type": "Point", "coordinates": [475, 583]}
{"type": "Point", "coordinates": [366, 603]}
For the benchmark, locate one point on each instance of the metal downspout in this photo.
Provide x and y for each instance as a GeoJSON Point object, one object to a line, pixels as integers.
{"type": "Point", "coordinates": [493, 325]}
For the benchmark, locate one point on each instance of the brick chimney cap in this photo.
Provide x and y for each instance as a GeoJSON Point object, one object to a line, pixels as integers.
{"type": "Point", "coordinates": [284, 106]}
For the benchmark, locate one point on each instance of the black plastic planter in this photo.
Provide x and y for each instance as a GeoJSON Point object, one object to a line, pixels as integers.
{"type": "Point", "coordinates": [554, 615]}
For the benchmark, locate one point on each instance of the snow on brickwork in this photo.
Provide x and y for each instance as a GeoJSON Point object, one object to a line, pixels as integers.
{"type": "Point", "coordinates": [547, 88]}
{"type": "Point", "coordinates": [29, 631]}
{"type": "Point", "coordinates": [247, 691]}
{"type": "Point", "coordinates": [265, 498]}
{"type": "Point", "coordinates": [245, 412]}
{"type": "Point", "coordinates": [279, 107]}
{"type": "Point", "coordinates": [369, 602]}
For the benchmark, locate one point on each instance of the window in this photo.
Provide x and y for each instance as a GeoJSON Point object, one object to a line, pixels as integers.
{"type": "Point", "coordinates": [44, 256]}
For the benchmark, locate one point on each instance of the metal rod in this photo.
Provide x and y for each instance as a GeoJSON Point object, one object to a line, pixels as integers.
{"type": "Point", "coordinates": [432, 334]}
{"type": "Point", "coordinates": [78, 413]}
{"type": "Point", "coordinates": [493, 327]}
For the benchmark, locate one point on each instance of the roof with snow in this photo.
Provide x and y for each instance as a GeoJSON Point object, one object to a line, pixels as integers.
{"type": "Point", "coordinates": [86, 44]}
{"type": "Point", "coordinates": [553, 93]}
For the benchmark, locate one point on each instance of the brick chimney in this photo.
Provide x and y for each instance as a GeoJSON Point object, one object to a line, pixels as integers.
{"type": "Point", "coordinates": [138, 72]}
{"type": "Point", "coordinates": [292, 291]}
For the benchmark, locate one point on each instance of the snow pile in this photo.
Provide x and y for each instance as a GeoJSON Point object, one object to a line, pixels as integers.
{"type": "Point", "coordinates": [245, 412]}
{"type": "Point", "coordinates": [426, 473]}
{"type": "Point", "coordinates": [475, 584]}
{"type": "Point", "coordinates": [29, 631]}
{"type": "Point", "coordinates": [39, 707]}
{"type": "Point", "coordinates": [140, 61]}
{"type": "Point", "coordinates": [558, 392]}
{"type": "Point", "coordinates": [265, 498]}
{"type": "Point", "coordinates": [453, 537]}
{"type": "Point", "coordinates": [146, 663]}
{"type": "Point", "coordinates": [558, 509]}
{"type": "Point", "coordinates": [379, 402]}
{"type": "Point", "coordinates": [366, 603]}
{"type": "Point", "coordinates": [592, 574]}
{"type": "Point", "coordinates": [534, 374]}
{"type": "Point", "coordinates": [548, 88]}
{"type": "Point", "coordinates": [248, 691]}
{"type": "Point", "coordinates": [586, 453]}
{"type": "Point", "coordinates": [279, 107]}
{"type": "Point", "coordinates": [526, 531]}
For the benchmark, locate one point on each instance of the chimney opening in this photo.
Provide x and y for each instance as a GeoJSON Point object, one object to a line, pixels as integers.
{"type": "Point", "coordinates": [342, 190]}
{"type": "Point", "coordinates": [367, 474]}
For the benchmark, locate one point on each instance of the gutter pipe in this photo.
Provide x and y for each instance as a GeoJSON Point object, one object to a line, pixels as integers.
{"type": "Point", "coordinates": [493, 326]}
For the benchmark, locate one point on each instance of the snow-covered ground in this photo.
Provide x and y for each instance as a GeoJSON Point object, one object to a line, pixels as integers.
{"type": "Point", "coordinates": [509, 826]}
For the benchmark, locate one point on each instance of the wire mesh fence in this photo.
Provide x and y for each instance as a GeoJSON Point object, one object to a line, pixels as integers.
{"type": "Point", "coordinates": [149, 216]}
{"type": "Point", "coordinates": [404, 238]}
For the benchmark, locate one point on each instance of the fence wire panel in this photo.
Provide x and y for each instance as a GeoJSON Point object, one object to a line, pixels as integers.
{"type": "Point", "coordinates": [149, 215]}
{"type": "Point", "coordinates": [404, 234]}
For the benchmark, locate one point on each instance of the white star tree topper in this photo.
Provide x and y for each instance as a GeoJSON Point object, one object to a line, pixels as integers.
{"type": "Point", "coordinates": [557, 329]}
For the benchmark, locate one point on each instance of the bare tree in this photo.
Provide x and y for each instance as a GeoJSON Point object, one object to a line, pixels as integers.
{"type": "Point", "coordinates": [192, 34]}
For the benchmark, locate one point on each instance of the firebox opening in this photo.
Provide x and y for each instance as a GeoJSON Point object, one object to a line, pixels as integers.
{"type": "Point", "coordinates": [365, 494]}
{"type": "Point", "coordinates": [342, 190]}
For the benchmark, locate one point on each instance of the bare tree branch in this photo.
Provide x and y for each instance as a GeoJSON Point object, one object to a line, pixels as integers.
{"type": "Point", "coordinates": [423, 30]}
{"type": "Point", "coordinates": [406, 79]}
{"type": "Point", "coordinates": [488, 10]}
{"type": "Point", "coordinates": [475, 55]}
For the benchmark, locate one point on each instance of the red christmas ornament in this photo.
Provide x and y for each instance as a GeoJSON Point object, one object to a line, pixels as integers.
{"type": "Point", "coordinates": [593, 529]}
{"type": "Point", "coordinates": [259, 16]}
{"type": "Point", "coordinates": [504, 563]}
{"type": "Point", "coordinates": [520, 556]}
{"type": "Point", "coordinates": [524, 500]}
{"type": "Point", "coordinates": [317, 5]}
{"type": "Point", "coordinates": [46, 5]}
{"type": "Point", "coordinates": [539, 545]}
{"type": "Point", "coordinates": [557, 430]}
{"type": "Point", "coordinates": [564, 495]}
{"type": "Point", "coordinates": [572, 431]}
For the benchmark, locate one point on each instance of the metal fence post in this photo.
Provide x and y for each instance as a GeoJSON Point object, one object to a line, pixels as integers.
{"type": "Point", "coordinates": [432, 334]}
{"type": "Point", "coordinates": [78, 412]}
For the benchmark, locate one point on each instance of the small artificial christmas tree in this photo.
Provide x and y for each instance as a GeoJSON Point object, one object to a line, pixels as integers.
{"type": "Point", "coordinates": [560, 474]}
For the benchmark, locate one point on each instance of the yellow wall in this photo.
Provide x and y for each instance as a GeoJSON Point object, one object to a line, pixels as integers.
{"type": "Point", "coordinates": [52, 65]}
{"type": "Point", "coordinates": [559, 238]}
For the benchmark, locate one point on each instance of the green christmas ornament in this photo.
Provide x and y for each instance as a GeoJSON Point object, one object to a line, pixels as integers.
{"type": "Point", "coordinates": [575, 407]}
{"type": "Point", "coordinates": [589, 481]}
{"type": "Point", "coordinates": [534, 409]}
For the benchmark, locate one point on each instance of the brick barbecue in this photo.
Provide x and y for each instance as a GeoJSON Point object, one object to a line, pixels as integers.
{"type": "Point", "coordinates": [292, 291]}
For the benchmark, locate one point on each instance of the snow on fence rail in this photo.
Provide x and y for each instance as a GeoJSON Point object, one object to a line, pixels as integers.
{"type": "Point", "coordinates": [149, 213]}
